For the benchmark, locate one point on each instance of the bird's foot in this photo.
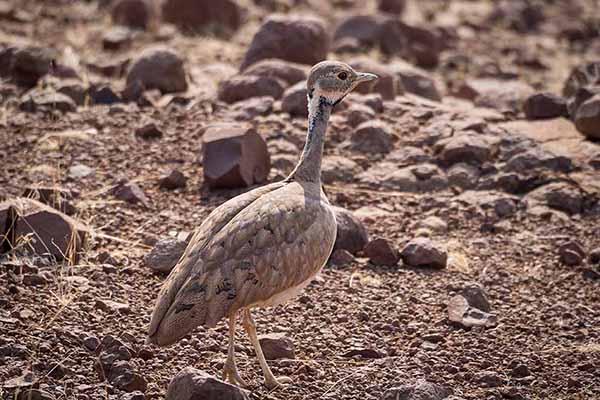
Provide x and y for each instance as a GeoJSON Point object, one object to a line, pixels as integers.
{"type": "Point", "coordinates": [231, 375]}
{"type": "Point", "coordinates": [282, 381]}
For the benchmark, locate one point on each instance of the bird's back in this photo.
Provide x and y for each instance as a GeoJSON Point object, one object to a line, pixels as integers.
{"type": "Point", "coordinates": [250, 252]}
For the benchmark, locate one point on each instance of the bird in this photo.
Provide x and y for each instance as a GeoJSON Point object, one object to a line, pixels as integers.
{"type": "Point", "coordinates": [261, 248]}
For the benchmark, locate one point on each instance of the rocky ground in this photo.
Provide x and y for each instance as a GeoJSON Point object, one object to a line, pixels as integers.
{"type": "Point", "coordinates": [467, 177]}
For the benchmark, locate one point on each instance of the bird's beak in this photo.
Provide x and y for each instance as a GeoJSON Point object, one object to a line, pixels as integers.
{"type": "Point", "coordinates": [364, 77]}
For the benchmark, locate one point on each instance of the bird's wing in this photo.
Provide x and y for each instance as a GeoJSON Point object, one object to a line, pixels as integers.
{"type": "Point", "coordinates": [217, 219]}
{"type": "Point", "coordinates": [271, 246]}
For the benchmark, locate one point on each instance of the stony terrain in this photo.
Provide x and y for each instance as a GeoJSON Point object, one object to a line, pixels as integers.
{"type": "Point", "coordinates": [467, 264]}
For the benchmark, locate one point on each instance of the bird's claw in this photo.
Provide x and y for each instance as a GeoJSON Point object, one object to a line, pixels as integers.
{"type": "Point", "coordinates": [282, 381]}
{"type": "Point", "coordinates": [232, 376]}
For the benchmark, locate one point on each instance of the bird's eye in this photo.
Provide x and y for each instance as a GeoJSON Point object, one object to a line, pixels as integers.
{"type": "Point", "coordinates": [342, 75]}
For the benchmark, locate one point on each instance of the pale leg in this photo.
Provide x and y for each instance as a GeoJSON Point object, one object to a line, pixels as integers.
{"type": "Point", "coordinates": [230, 371]}
{"type": "Point", "coordinates": [270, 379]}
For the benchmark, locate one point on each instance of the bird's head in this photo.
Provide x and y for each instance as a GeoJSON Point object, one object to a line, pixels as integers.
{"type": "Point", "coordinates": [331, 81]}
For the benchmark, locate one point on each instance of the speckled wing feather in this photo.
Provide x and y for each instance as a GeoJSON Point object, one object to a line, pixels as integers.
{"type": "Point", "coordinates": [217, 219]}
{"type": "Point", "coordinates": [269, 248]}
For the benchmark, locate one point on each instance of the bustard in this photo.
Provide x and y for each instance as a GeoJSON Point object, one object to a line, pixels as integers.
{"type": "Point", "coordinates": [260, 248]}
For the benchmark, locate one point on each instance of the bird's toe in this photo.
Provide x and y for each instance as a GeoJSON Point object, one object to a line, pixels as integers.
{"type": "Point", "coordinates": [282, 381]}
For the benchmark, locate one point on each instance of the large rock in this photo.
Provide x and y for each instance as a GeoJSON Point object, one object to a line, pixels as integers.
{"type": "Point", "coordinates": [587, 118]}
{"type": "Point", "coordinates": [420, 390]}
{"type": "Point", "coordinates": [241, 87]}
{"type": "Point", "coordinates": [351, 233]}
{"type": "Point", "coordinates": [28, 64]}
{"type": "Point", "coordinates": [381, 252]}
{"type": "Point", "coordinates": [365, 29]}
{"type": "Point", "coordinates": [422, 252]}
{"type": "Point", "coordinates": [503, 95]}
{"type": "Point", "coordinates": [53, 196]}
{"type": "Point", "coordinates": [276, 346]}
{"type": "Point", "coordinates": [416, 81]}
{"type": "Point", "coordinates": [220, 17]}
{"type": "Point", "coordinates": [583, 75]}
{"type": "Point", "coordinates": [415, 43]}
{"type": "Point", "coordinates": [302, 40]}
{"type": "Point", "coordinates": [43, 230]}
{"type": "Point", "coordinates": [47, 100]}
{"type": "Point", "coordinates": [193, 384]}
{"type": "Point", "coordinates": [545, 105]}
{"type": "Point", "coordinates": [338, 168]}
{"type": "Point", "coordinates": [561, 196]}
{"type": "Point", "coordinates": [234, 156]}
{"type": "Point", "coordinates": [461, 313]}
{"type": "Point", "coordinates": [467, 147]}
{"type": "Point", "coordinates": [133, 13]}
{"type": "Point", "coordinates": [157, 68]}
{"type": "Point", "coordinates": [295, 101]}
{"type": "Point", "coordinates": [286, 71]}
{"type": "Point", "coordinates": [372, 137]}
{"type": "Point", "coordinates": [392, 6]}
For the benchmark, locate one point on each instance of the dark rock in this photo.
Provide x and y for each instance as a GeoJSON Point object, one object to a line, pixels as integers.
{"type": "Point", "coordinates": [587, 118]}
{"type": "Point", "coordinates": [595, 256]}
{"type": "Point", "coordinates": [47, 100]}
{"type": "Point", "coordinates": [285, 71]}
{"type": "Point", "coordinates": [489, 379]}
{"type": "Point", "coordinates": [234, 156]}
{"type": "Point", "coordinates": [192, 384]}
{"type": "Point", "coordinates": [416, 81]}
{"type": "Point", "coordinates": [476, 296]}
{"type": "Point", "coordinates": [158, 68]}
{"type": "Point", "coordinates": [73, 89]}
{"type": "Point", "coordinates": [466, 147]}
{"type": "Point", "coordinates": [359, 113]}
{"type": "Point", "coordinates": [381, 252]}
{"type": "Point", "coordinates": [535, 158]}
{"type": "Point", "coordinates": [561, 196]}
{"type": "Point", "coordinates": [365, 29]}
{"type": "Point", "coordinates": [173, 180]}
{"type": "Point", "coordinates": [420, 390]}
{"type": "Point", "coordinates": [165, 254]}
{"type": "Point", "coordinates": [545, 105]}
{"type": "Point", "coordinates": [133, 13]}
{"type": "Point", "coordinates": [246, 110]}
{"type": "Point", "coordinates": [35, 394]}
{"type": "Point", "coordinates": [302, 40]}
{"type": "Point", "coordinates": [520, 371]}
{"type": "Point", "coordinates": [583, 75]}
{"type": "Point", "coordinates": [149, 131]}
{"type": "Point", "coordinates": [103, 95]}
{"type": "Point", "coordinates": [50, 231]}
{"type": "Point", "coordinates": [414, 43]}
{"type": "Point", "coordinates": [463, 175]}
{"type": "Point", "coordinates": [503, 95]}
{"type": "Point", "coordinates": [131, 193]}
{"type": "Point", "coordinates": [243, 87]}
{"type": "Point", "coordinates": [422, 252]}
{"type": "Point", "coordinates": [34, 280]}
{"type": "Point", "coordinates": [54, 197]}
{"type": "Point", "coordinates": [363, 353]}
{"type": "Point", "coordinates": [91, 343]}
{"type": "Point", "coordinates": [276, 346]}
{"type": "Point", "coordinates": [295, 101]}
{"type": "Point", "coordinates": [29, 64]}
{"type": "Point", "coordinates": [341, 257]}
{"type": "Point", "coordinates": [392, 6]}
{"type": "Point", "coordinates": [203, 16]}
{"type": "Point", "coordinates": [117, 38]}
{"type": "Point", "coordinates": [582, 95]}
{"type": "Point", "coordinates": [123, 376]}
{"type": "Point", "coordinates": [351, 233]}
{"type": "Point", "coordinates": [571, 253]}
{"type": "Point", "coordinates": [372, 137]}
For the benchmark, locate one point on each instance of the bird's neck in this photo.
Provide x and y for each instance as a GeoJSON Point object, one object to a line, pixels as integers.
{"type": "Point", "coordinates": [309, 166]}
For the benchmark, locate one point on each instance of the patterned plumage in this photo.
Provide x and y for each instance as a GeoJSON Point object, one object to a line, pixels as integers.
{"type": "Point", "coordinates": [262, 247]}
